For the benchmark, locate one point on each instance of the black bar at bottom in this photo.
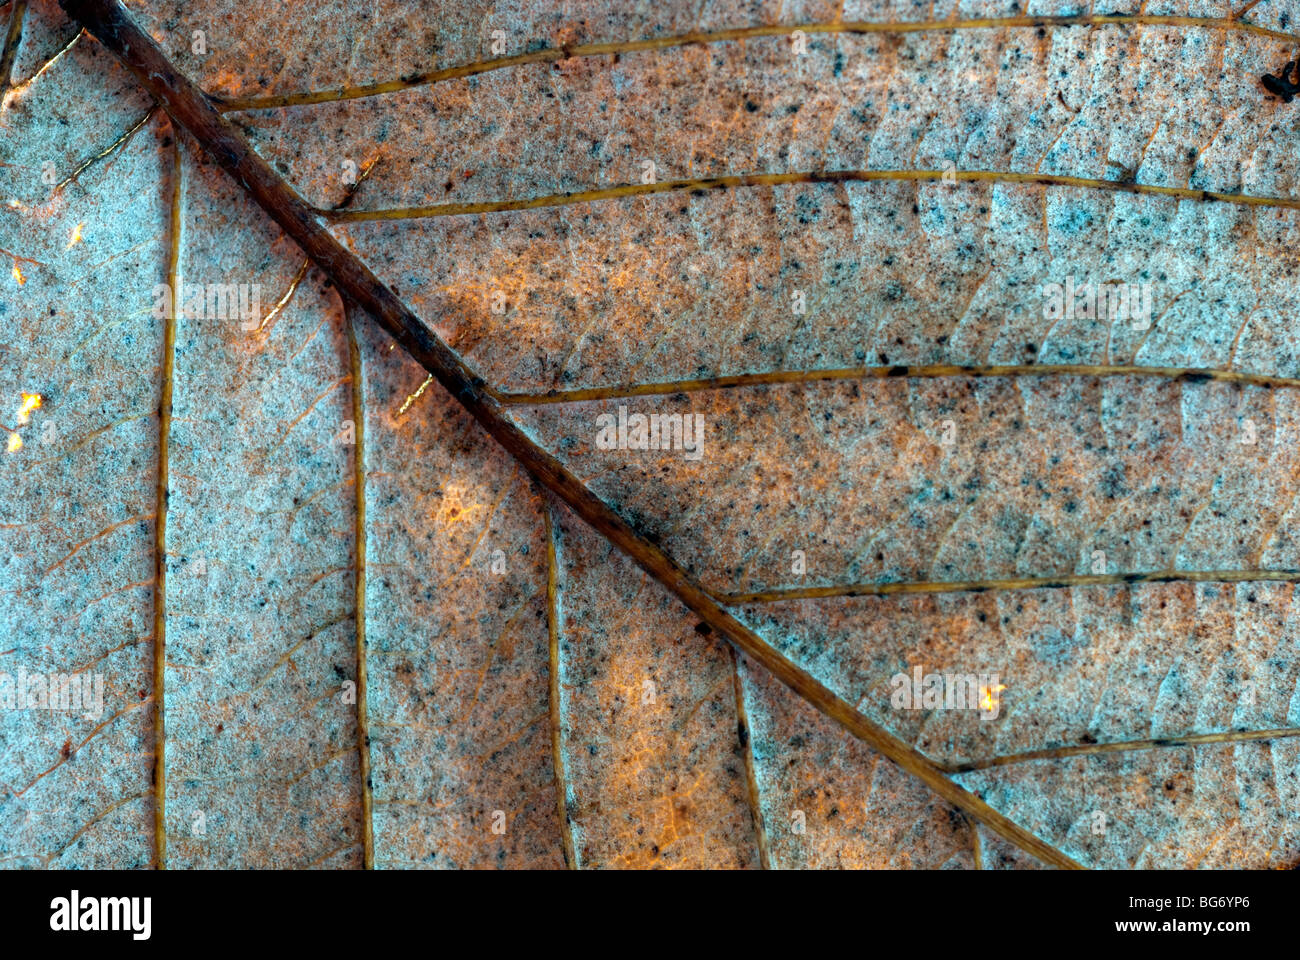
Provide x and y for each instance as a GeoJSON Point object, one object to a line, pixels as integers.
{"type": "Point", "coordinates": [992, 912]}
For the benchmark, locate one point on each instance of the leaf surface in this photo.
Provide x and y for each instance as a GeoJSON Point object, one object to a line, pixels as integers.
{"type": "Point", "coordinates": [947, 462]}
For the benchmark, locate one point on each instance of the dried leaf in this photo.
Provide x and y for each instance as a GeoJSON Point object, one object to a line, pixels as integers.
{"type": "Point", "coordinates": [832, 247]}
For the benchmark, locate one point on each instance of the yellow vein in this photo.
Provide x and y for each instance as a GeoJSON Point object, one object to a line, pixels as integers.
{"type": "Point", "coordinates": [412, 397]}
{"type": "Point", "coordinates": [698, 187]}
{"type": "Point", "coordinates": [747, 750]}
{"type": "Point", "coordinates": [1015, 583]}
{"type": "Point", "coordinates": [553, 641]}
{"type": "Point", "coordinates": [49, 64]}
{"type": "Point", "coordinates": [160, 522]}
{"type": "Point", "coordinates": [1055, 753]}
{"type": "Point", "coordinates": [922, 371]}
{"type": "Point", "coordinates": [118, 144]}
{"type": "Point", "coordinates": [284, 301]}
{"type": "Point", "coordinates": [612, 47]}
{"type": "Point", "coordinates": [359, 602]}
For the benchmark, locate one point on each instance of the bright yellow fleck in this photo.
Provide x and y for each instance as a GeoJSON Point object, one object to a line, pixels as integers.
{"type": "Point", "coordinates": [987, 700]}
{"type": "Point", "coordinates": [31, 401]}
{"type": "Point", "coordinates": [15, 443]}
{"type": "Point", "coordinates": [18, 274]}
{"type": "Point", "coordinates": [76, 237]}
{"type": "Point", "coordinates": [415, 396]}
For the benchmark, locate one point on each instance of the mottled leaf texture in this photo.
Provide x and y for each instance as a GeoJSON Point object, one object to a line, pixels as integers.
{"type": "Point", "coordinates": [335, 624]}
